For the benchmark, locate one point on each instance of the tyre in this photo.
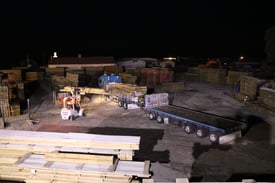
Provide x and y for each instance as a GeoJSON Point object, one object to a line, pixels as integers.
{"type": "Point", "coordinates": [214, 138]}
{"type": "Point", "coordinates": [125, 105]}
{"type": "Point", "coordinates": [189, 129]}
{"type": "Point", "coordinates": [71, 118]}
{"type": "Point", "coordinates": [159, 119]}
{"type": "Point", "coordinates": [201, 132]}
{"type": "Point", "coordinates": [120, 103]}
{"type": "Point", "coordinates": [151, 116]}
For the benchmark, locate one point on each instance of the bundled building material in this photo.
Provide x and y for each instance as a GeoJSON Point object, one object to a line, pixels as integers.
{"type": "Point", "coordinates": [267, 95]}
{"type": "Point", "coordinates": [13, 74]}
{"type": "Point", "coordinates": [32, 157]}
{"type": "Point", "coordinates": [128, 89]}
{"type": "Point", "coordinates": [4, 91]}
{"type": "Point", "coordinates": [70, 139]}
{"type": "Point", "coordinates": [249, 86]}
{"type": "Point", "coordinates": [33, 76]}
{"type": "Point", "coordinates": [234, 76]}
{"type": "Point", "coordinates": [113, 69]}
{"type": "Point", "coordinates": [154, 76]}
{"type": "Point", "coordinates": [170, 87]}
{"type": "Point", "coordinates": [128, 78]}
{"type": "Point", "coordinates": [55, 71]}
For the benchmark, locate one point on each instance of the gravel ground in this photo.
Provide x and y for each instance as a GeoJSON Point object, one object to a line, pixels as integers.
{"type": "Point", "coordinates": [173, 154]}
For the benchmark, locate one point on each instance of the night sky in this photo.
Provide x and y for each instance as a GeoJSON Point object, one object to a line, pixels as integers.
{"type": "Point", "coordinates": [133, 28]}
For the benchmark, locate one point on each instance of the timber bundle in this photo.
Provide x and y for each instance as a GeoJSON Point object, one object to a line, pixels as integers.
{"type": "Point", "coordinates": [51, 157]}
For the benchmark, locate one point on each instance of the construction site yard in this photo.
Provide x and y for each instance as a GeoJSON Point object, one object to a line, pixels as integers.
{"type": "Point", "coordinates": [172, 153]}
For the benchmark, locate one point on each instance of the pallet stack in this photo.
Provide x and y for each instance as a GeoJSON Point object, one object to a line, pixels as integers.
{"type": "Point", "coordinates": [267, 95]}
{"type": "Point", "coordinates": [128, 89]}
{"type": "Point", "coordinates": [234, 76]}
{"type": "Point", "coordinates": [170, 87]}
{"type": "Point", "coordinates": [36, 157]}
{"type": "Point", "coordinates": [249, 86]}
{"type": "Point", "coordinates": [72, 78]}
{"type": "Point", "coordinates": [128, 78]}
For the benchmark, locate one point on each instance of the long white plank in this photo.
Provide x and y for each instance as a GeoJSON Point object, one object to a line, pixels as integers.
{"type": "Point", "coordinates": [49, 148]}
{"type": "Point", "coordinates": [70, 139]}
{"type": "Point", "coordinates": [129, 168]}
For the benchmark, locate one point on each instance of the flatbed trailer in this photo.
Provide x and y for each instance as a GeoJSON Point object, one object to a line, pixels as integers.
{"type": "Point", "coordinates": [192, 121]}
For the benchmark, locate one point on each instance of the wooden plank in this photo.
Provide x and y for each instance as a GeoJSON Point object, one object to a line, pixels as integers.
{"type": "Point", "coordinates": [112, 168]}
{"type": "Point", "coordinates": [129, 168]}
{"type": "Point", "coordinates": [80, 158]}
{"type": "Point", "coordinates": [146, 168]}
{"type": "Point", "coordinates": [70, 139]}
{"type": "Point", "coordinates": [43, 149]}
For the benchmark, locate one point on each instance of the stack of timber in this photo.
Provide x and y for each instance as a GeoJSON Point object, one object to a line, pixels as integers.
{"type": "Point", "coordinates": [192, 74]}
{"type": "Point", "coordinates": [58, 82]}
{"type": "Point", "coordinates": [15, 110]}
{"type": "Point", "coordinates": [4, 91]}
{"type": "Point", "coordinates": [72, 78]}
{"type": "Point", "coordinates": [13, 74]}
{"type": "Point", "coordinates": [35, 157]}
{"type": "Point", "coordinates": [267, 95]}
{"type": "Point", "coordinates": [33, 76]}
{"type": "Point", "coordinates": [112, 70]}
{"type": "Point", "coordinates": [84, 90]}
{"type": "Point", "coordinates": [133, 71]}
{"type": "Point", "coordinates": [249, 87]}
{"type": "Point", "coordinates": [128, 89]}
{"type": "Point", "coordinates": [5, 108]}
{"type": "Point", "coordinates": [170, 87]}
{"type": "Point", "coordinates": [128, 78]}
{"type": "Point", "coordinates": [215, 76]}
{"type": "Point", "coordinates": [154, 76]}
{"type": "Point", "coordinates": [55, 71]}
{"type": "Point", "coordinates": [234, 76]}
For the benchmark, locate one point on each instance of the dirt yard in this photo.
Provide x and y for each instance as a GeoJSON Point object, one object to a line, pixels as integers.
{"type": "Point", "coordinates": [173, 154]}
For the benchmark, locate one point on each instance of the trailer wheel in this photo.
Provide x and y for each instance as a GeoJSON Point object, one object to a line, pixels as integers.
{"type": "Point", "coordinates": [159, 119]}
{"type": "Point", "coordinates": [214, 138]}
{"type": "Point", "coordinates": [151, 116]}
{"type": "Point", "coordinates": [189, 129]}
{"type": "Point", "coordinates": [120, 103]}
{"type": "Point", "coordinates": [71, 117]}
{"type": "Point", "coordinates": [201, 132]}
{"type": "Point", "coordinates": [125, 105]}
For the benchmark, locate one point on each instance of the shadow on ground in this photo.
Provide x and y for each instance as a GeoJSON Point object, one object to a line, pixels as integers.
{"type": "Point", "coordinates": [149, 138]}
{"type": "Point", "coordinates": [255, 141]}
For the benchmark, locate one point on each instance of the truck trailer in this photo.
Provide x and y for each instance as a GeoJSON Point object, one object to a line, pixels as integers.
{"type": "Point", "coordinates": [218, 128]}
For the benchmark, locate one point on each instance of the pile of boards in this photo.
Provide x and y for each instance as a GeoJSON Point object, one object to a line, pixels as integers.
{"type": "Point", "coordinates": [128, 89]}
{"type": "Point", "coordinates": [51, 157]}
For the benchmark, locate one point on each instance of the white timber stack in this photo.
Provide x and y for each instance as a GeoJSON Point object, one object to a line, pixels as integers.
{"type": "Point", "coordinates": [51, 157]}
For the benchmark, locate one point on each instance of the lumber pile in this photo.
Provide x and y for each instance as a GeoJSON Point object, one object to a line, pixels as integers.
{"type": "Point", "coordinates": [154, 76]}
{"type": "Point", "coordinates": [215, 76]}
{"type": "Point", "coordinates": [128, 78]}
{"type": "Point", "coordinates": [267, 95]}
{"type": "Point", "coordinates": [249, 86]}
{"type": "Point", "coordinates": [128, 89]}
{"type": "Point", "coordinates": [13, 75]}
{"type": "Point", "coordinates": [234, 76]}
{"type": "Point", "coordinates": [47, 157]}
{"type": "Point", "coordinates": [170, 87]}
{"type": "Point", "coordinates": [113, 69]}
{"type": "Point", "coordinates": [84, 90]}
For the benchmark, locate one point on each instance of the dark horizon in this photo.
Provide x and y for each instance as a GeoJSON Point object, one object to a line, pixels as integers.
{"type": "Point", "coordinates": [133, 29]}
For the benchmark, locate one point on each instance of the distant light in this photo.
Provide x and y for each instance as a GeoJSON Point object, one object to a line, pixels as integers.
{"type": "Point", "coordinates": [169, 58]}
{"type": "Point", "coordinates": [241, 57]}
{"type": "Point", "coordinates": [54, 54]}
